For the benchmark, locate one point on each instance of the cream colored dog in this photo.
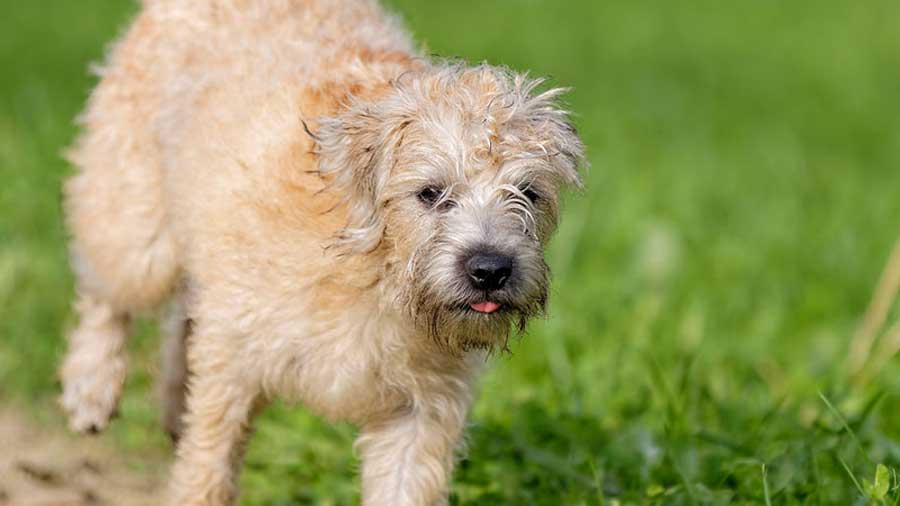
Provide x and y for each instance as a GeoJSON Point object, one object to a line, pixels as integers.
{"type": "Point", "coordinates": [338, 220]}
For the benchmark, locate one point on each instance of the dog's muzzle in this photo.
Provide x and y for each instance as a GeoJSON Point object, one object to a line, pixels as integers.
{"type": "Point", "coordinates": [488, 272]}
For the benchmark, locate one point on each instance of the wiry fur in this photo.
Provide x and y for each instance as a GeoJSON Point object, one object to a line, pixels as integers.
{"type": "Point", "coordinates": [261, 160]}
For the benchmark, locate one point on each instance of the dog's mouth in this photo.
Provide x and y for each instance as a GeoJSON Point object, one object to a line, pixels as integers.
{"type": "Point", "coordinates": [485, 306]}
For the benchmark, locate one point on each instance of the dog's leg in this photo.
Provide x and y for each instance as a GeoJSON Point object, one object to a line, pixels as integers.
{"type": "Point", "coordinates": [93, 371]}
{"type": "Point", "coordinates": [173, 383]}
{"type": "Point", "coordinates": [407, 458]}
{"type": "Point", "coordinates": [217, 424]}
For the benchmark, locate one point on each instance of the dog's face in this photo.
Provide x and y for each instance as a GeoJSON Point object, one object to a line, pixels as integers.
{"type": "Point", "coordinates": [453, 178]}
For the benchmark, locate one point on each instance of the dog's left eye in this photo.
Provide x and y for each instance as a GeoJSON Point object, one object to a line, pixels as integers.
{"type": "Point", "coordinates": [430, 195]}
{"type": "Point", "coordinates": [530, 193]}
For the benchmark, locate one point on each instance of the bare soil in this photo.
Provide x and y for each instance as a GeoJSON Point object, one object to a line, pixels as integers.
{"type": "Point", "coordinates": [45, 465]}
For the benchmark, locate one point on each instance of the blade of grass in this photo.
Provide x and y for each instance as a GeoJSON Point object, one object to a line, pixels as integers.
{"type": "Point", "coordinates": [850, 473]}
{"type": "Point", "coordinates": [847, 428]}
{"type": "Point", "coordinates": [765, 481]}
{"type": "Point", "coordinates": [876, 314]}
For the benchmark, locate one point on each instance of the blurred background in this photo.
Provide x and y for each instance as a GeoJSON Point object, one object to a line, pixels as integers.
{"type": "Point", "coordinates": [742, 202]}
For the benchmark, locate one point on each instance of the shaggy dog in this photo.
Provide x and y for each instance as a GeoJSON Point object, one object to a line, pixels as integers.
{"type": "Point", "coordinates": [338, 221]}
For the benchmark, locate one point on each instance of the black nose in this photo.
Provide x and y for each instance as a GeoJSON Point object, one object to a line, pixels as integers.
{"type": "Point", "coordinates": [489, 271]}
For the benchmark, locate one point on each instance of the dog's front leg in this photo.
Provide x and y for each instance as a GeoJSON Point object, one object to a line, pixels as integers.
{"type": "Point", "coordinates": [217, 424]}
{"type": "Point", "coordinates": [407, 458]}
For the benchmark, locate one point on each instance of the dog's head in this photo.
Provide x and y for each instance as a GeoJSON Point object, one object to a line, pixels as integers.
{"type": "Point", "coordinates": [453, 178]}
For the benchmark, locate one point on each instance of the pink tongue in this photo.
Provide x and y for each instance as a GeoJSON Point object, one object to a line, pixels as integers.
{"type": "Point", "coordinates": [485, 307]}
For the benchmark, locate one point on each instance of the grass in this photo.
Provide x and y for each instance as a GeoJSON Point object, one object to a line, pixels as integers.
{"type": "Point", "coordinates": [743, 197]}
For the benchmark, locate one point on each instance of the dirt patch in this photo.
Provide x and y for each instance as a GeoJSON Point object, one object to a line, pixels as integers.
{"type": "Point", "coordinates": [47, 466]}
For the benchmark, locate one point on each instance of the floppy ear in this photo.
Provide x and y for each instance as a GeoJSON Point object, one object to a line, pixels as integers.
{"type": "Point", "coordinates": [356, 148]}
{"type": "Point", "coordinates": [560, 139]}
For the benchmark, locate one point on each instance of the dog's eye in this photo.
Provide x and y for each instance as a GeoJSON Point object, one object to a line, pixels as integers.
{"type": "Point", "coordinates": [430, 195]}
{"type": "Point", "coordinates": [530, 194]}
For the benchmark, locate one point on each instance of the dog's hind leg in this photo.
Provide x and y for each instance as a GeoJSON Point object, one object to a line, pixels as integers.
{"type": "Point", "coordinates": [93, 371]}
{"type": "Point", "coordinates": [122, 249]}
{"type": "Point", "coordinates": [173, 383]}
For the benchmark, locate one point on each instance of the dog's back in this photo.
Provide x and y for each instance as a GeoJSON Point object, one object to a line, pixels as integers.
{"type": "Point", "coordinates": [176, 97]}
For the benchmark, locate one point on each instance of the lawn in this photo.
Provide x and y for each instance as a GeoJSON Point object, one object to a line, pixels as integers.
{"type": "Point", "coordinates": [742, 199]}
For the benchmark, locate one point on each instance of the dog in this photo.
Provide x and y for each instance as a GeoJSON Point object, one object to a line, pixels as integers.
{"type": "Point", "coordinates": [335, 219]}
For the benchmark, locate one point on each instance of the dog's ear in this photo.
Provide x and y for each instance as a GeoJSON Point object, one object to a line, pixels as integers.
{"type": "Point", "coordinates": [558, 137]}
{"type": "Point", "coordinates": [356, 149]}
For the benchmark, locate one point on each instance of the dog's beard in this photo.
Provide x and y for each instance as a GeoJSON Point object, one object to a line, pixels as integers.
{"type": "Point", "coordinates": [446, 318]}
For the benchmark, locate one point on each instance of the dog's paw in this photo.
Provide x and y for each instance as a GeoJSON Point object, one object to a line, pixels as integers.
{"type": "Point", "coordinates": [91, 399]}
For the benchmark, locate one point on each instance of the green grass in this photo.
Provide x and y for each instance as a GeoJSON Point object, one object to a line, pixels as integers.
{"type": "Point", "coordinates": [743, 197]}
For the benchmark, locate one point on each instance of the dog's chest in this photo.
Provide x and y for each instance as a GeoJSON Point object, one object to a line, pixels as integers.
{"type": "Point", "coordinates": [344, 370]}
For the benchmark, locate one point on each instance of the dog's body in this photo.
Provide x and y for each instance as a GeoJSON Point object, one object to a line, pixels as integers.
{"type": "Point", "coordinates": [340, 222]}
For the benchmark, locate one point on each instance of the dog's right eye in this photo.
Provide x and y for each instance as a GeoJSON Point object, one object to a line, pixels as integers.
{"type": "Point", "coordinates": [430, 195]}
